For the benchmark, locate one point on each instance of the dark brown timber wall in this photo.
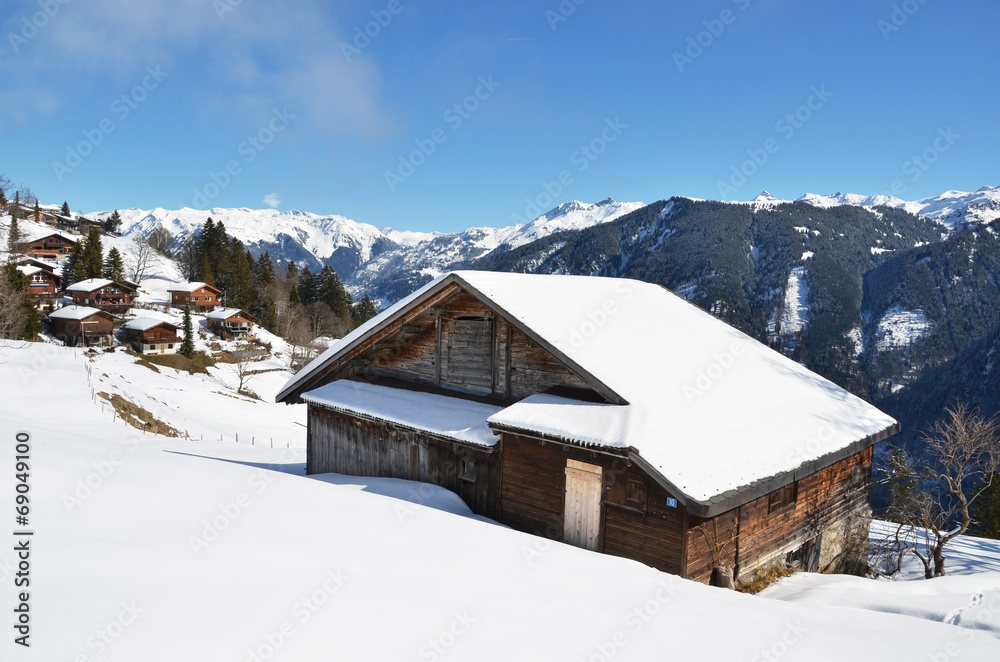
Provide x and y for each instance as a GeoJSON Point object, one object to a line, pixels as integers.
{"type": "Point", "coordinates": [770, 524]}
{"type": "Point", "coordinates": [341, 443]}
{"type": "Point", "coordinates": [637, 523]}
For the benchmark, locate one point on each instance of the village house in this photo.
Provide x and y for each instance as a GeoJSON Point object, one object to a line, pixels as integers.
{"type": "Point", "coordinates": [43, 285]}
{"type": "Point", "coordinates": [605, 413]}
{"type": "Point", "coordinates": [148, 335]}
{"type": "Point", "coordinates": [82, 325]}
{"type": "Point", "coordinates": [112, 297]}
{"type": "Point", "coordinates": [230, 323]}
{"type": "Point", "coordinates": [201, 297]}
{"type": "Point", "coordinates": [25, 261]}
{"type": "Point", "coordinates": [53, 246]}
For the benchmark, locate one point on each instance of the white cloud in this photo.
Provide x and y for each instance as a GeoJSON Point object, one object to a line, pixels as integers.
{"type": "Point", "coordinates": [272, 200]}
{"type": "Point", "coordinates": [281, 56]}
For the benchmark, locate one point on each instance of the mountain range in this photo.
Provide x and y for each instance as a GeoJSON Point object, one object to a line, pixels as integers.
{"type": "Point", "coordinates": [872, 292]}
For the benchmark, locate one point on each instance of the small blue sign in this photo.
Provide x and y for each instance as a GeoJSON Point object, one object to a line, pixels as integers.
{"type": "Point", "coordinates": [672, 502]}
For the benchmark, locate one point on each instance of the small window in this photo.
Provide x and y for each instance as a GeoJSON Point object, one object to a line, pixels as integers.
{"type": "Point", "coordinates": [467, 470]}
{"type": "Point", "coordinates": [635, 491]}
{"type": "Point", "coordinates": [170, 346]}
{"type": "Point", "coordinates": [782, 498]}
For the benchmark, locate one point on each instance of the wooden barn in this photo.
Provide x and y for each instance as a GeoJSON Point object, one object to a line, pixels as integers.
{"type": "Point", "coordinates": [230, 323]}
{"type": "Point", "coordinates": [201, 297]}
{"type": "Point", "coordinates": [605, 413]}
{"type": "Point", "coordinates": [43, 285]}
{"type": "Point", "coordinates": [53, 246]}
{"type": "Point", "coordinates": [82, 325]}
{"type": "Point", "coordinates": [109, 296]}
{"type": "Point", "coordinates": [148, 335]}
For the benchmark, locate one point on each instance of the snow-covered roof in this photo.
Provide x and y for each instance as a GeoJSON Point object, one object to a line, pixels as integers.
{"type": "Point", "coordinates": [188, 287]}
{"type": "Point", "coordinates": [42, 234]}
{"type": "Point", "coordinates": [75, 312]}
{"type": "Point", "coordinates": [48, 266]}
{"type": "Point", "coordinates": [454, 418]}
{"type": "Point", "coordinates": [713, 411]}
{"type": "Point", "coordinates": [143, 323]}
{"type": "Point", "coordinates": [29, 271]}
{"type": "Point", "coordinates": [223, 313]}
{"type": "Point", "coordinates": [89, 285]}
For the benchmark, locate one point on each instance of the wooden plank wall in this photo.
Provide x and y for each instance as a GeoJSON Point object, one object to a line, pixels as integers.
{"type": "Point", "coordinates": [341, 443]}
{"type": "Point", "coordinates": [533, 485]}
{"type": "Point", "coordinates": [824, 499]}
{"type": "Point", "coordinates": [480, 353]}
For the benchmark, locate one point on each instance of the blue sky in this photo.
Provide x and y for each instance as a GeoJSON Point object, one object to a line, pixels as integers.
{"type": "Point", "coordinates": [113, 104]}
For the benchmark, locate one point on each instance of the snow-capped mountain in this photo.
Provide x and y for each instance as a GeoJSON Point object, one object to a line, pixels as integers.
{"type": "Point", "coordinates": [291, 235]}
{"type": "Point", "coordinates": [953, 209]}
{"type": "Point", "coordinates": [366, 258]}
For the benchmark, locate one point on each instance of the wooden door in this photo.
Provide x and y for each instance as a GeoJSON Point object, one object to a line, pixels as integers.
{"type": "Point", "coordinates": [582, 510]}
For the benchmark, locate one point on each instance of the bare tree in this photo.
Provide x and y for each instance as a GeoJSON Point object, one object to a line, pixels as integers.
{"type": "Point", "coordinates": [245, 356]}
{"type": "Point", "coordinates": [935, 493]}
{"type": "Point", "coordinates": [161, 240]}
{"type": "Point", "coordinates": [139, 261]}
{"type": "Point", "coordinates": [12, 311]}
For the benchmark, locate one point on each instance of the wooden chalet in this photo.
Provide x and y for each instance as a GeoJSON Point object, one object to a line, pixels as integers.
{"type": "Point", "coordinates": [25, 261]}
{"type": "Point", "coordinates": [43, 285]}
{"type": "Point", "coordinates": [605, 413]}
{"type": "Point", "coordinates": [82, 325]}
{"type": "Point", "coordinates": [148, 335]}
{"type": "Point", "coordinates": [53, 246]}
{"type": "Point", "coordinates": [201, 297]}
{"type": "Point", "coordinates": [112, 297]}
{"type": "Point", "coordinates": [230, 323]}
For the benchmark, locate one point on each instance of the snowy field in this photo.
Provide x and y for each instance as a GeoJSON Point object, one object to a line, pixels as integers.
{"type": "Point", "coordinates": [147, 548]}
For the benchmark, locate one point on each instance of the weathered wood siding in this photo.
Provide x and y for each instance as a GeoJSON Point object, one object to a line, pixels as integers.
{"type": "Point", "coordinates": [637, 523]}
{"type": "Point", "coordinates": [823, 500]}
{"type": "Point", "coordinates": [341, 443]}
{"type": "Point", "coordinates": [462, 344]}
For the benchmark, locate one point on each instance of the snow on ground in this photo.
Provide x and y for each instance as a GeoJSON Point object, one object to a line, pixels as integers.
{"type": "Point", "coordinates": [968, 596]}
{"type": "Point", "coordinates": [153, 549]}
{"type": "Point", "coordinates": [899, 328]}
{"type": "Point", "coordinates": [795, 312]}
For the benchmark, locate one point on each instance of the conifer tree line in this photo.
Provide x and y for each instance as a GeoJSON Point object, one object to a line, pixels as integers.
{"type": "Point", "coordinates": [286, 301]}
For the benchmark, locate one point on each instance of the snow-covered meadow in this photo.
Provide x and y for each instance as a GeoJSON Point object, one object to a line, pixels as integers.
{"type": "Point", "coordinates": [149, 548]}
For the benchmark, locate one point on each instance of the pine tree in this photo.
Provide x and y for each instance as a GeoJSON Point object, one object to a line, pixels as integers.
{"type": "Point", "coordinates": [92, 261]}
{"type": "Point", "coordinates": [71, 267]}
{"type": "Point", "coordinates": [205, 273]}
{"type": "Point", "coordinates": [38, 213]}
{"type": "Point", "coordinates": [308, 287]}
{"type": "Point", "coordinates": [265, 270]}
{"type": "Point", "coordinates": [23, 322]}
{"type": "Point", "coordinates": [13, 237]}
{"type": "Point", "coordinates": [112, 223]}
{"type": "Point", "coordinates": [294, 297]}
{"type": "Point", "coordinates": [114, 266]}
{"type": "Point", "coordinates": [333, 293]}
{"type": "Point", "coordinates": [3, 200]}
{"type": "Point", "coordinates": [365, 310]}
{"type": "Point", "coordinates": [187, 345]}
{"type": "Point", "coordinates": [292, 272]}
{"type": "Point", "coordinates": [65, 210]}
